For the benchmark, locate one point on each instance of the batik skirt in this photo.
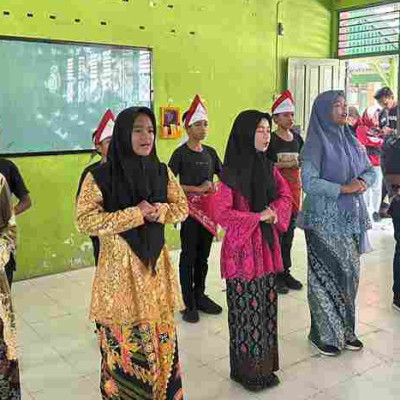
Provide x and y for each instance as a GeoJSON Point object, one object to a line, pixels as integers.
{"type": "Point", "coordinates": [9, 372]}
{"type": "Point", "coordinates": [253, 332]}
{"type": "Point", "coordinates": [333, 278]}
{"type": "Point", "coordinates": [140, 362]}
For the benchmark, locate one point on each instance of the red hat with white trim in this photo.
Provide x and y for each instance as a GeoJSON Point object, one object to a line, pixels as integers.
{"type": "Point", "coordinates": [105, 128]}
{"type": "Point", "coordinates": [284, 104]}
{"type": "Point", "coordinates": [197, 112]}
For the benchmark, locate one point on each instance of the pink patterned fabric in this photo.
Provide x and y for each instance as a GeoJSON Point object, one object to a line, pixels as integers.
{"type": "Point", "coordinates": [200, 208]}
{"type": "Point", "coordinates": [245, 254]}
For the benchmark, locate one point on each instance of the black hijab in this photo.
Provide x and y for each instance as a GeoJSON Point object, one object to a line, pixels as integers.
{"type": "Point", "coordinates": [127, 178]}
{"type": "Point", "coordinates": [247, 170]}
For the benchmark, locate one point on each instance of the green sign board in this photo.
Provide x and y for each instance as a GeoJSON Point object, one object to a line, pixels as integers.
{"type": "Point", "coordinates": [372, 30]}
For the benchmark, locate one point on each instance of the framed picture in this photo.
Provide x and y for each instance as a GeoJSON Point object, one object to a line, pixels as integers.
{"type": "Point", "coordinates": [171, 127]}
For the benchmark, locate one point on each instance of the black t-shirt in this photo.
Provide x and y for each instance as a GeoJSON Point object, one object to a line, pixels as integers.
{"type": "Point", "coordinates": [13, 178]}
{"type": "Point", "coordinates": [277, 145]}
{"type": "Point", "coordinates": [388, 118]}
{"type": "Point", "coordinates": [194, 168]}
{"type": "Point", "coordinates": [390, 157]}
{"type": "Point", "coordinates": [88, 169]}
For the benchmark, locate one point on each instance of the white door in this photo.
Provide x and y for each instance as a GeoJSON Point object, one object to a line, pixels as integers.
{"type": "Point", "coordinates": [309, 77]}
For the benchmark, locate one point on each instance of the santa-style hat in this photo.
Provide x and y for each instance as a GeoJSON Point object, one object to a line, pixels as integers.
{"type": "Point", "coordinates": [197, 112]}
{"type": "Point", "coordinates": [105, 128]}
{"type": "Point", "coordinates": [284, 104]}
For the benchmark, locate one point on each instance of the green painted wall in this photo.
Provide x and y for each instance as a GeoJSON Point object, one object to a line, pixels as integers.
{"type": "Point", "coordinates": [231, 60]}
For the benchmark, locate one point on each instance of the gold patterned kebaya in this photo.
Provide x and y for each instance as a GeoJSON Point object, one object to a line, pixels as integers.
{"type": "Point", "coordinates": [135, 292]}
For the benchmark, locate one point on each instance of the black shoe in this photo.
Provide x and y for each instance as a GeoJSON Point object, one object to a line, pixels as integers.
{"type": "Point", "coordinates": [376, 217]}
{"type": "Point", "coordinates": [396, 302]}
{"type": "Point", "coordinates": [292, 283]}
{"type": "Point", "coordinates": [208, 306]}
{"type": "Point", "coordinates": [281, 286]}
{"type": "Point", "coordinates": [191, 316]}
{"type": "Point", "coordinates": [257, 385]}
{"type": "Point", "coordinates": [326, 350]}
{"type": "Point", "coordinates": [354, 345]}
{"type": "Point", "coordinates": [383, 211]}
{"type": "Point", "coordinates": [247, 384]}
{"type": "Point", "coordinates": [271, 381]}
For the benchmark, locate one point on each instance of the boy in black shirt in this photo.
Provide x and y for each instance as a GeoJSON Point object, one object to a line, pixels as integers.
{"type": "Point", "coordinates": [388, 115]}
{"type": "Point", "coordinates": [394, 212]}
{"type": "Point", "coordinates": [391, 169]}
{"type": "Point", "coordinates": [16, 184]}
{"type": "Point", "coordinates": [196, 165]}
{"type": "Point", "coordinates": [284, 150]}
{"type": "Point", "coordinates": [18, 188]}
{"type": "Point", "coordinates": [388, 125]}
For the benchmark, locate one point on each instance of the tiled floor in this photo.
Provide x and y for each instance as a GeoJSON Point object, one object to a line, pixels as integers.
{"type": "Point", "coordinates": [60, 358]}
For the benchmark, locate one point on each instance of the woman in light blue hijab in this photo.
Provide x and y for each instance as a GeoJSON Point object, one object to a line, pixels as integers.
{"type": "Point", "coordinates": [335, 173]}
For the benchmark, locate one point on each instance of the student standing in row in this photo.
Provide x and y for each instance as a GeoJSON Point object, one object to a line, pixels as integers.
{"type": "Point", "coordinates": [196, 165]}
{"type": "Point", "coordinates": [392, 178]}
{"type": "Point", "coordinates": [388, 126]}
{"type": "Point", "coordinates": [335, 174]}
{"type": "Point", "coordinates": [254, 206]}
{"type": "Point", "coordinates": [284, 151]}
{"type": "Point", "coordinates": [394, 212]}
{"type": "Point", "coordinates": [101, 139]}
{"type": "Point", "coordinates": [17, 188]}
{"type": "Point", "coordinates": [391, 170]}
{"type": "Point", "coordinates": [126, 202]}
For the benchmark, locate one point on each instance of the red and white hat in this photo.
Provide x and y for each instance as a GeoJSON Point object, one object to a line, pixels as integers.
{"type": "Point", "coordinates": [197, 112]}
{"type": "Point", "coordinates": [284, 104]}
{"type": "Point", "coordinates": [105, 128]}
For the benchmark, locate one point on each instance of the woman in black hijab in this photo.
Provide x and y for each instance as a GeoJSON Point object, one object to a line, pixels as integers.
{"type": "Point", "coordinates": [126, 202]}
{"type": "Point", "coordinates": [253, 205]}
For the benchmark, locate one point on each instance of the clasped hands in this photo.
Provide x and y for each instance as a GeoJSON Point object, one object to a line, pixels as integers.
{"type": "Point", "coordinates": [357, 186]}
{"type": "Point", "coordinates": [150, 212]}
{"type": "Point", "coordinates": [207, 187]}
{"type": "Point", "coordinates": [269, 216]}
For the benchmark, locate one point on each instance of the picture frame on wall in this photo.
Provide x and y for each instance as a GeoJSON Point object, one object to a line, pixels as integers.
{"type": "Point", "coordinates": [171, 127]}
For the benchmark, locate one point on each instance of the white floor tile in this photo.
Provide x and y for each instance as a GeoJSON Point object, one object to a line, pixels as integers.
{"type": "Point", "coordinates": [60, 358]}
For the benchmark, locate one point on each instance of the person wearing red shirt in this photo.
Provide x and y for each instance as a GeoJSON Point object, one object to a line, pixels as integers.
{"type": "Point", "coordinates": [369, 135]}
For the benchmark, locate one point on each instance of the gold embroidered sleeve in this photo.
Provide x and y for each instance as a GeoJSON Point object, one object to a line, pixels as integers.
{"type": "Point", "coordinates": [93, 220]}
{"type": "Point", "coordinates": [176, 210]}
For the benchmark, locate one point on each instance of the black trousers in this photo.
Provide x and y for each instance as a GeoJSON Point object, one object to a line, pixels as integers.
{"type": "Point", "coordinates": [287, 244]}
{"type": "Point", "coordinates": [10, 267]}
{"type": "Point", "coordinates": [196, 244]}
{"type": "Point", "coordinates": [396, 260]}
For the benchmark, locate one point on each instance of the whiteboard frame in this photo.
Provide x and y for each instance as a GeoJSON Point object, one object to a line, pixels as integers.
{"type": "Point", "coordinates": [72, 42]}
